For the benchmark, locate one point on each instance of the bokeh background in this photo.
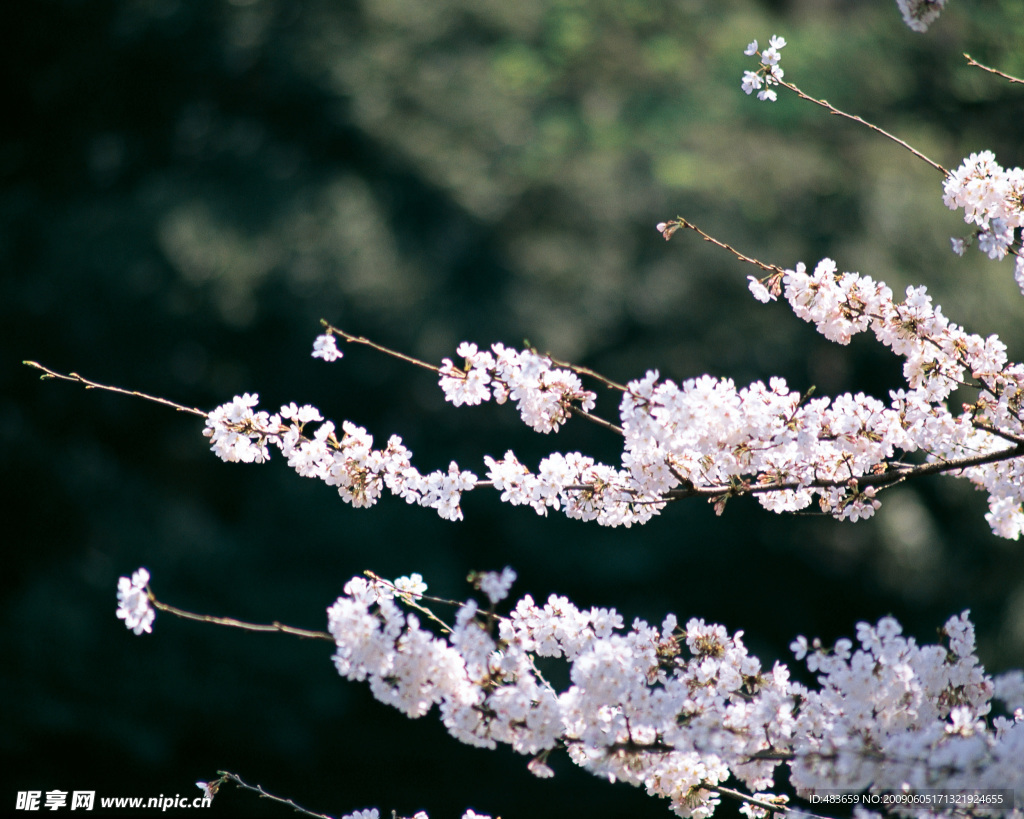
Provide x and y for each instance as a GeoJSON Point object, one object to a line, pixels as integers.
{"type": "Point", "coordinates": [186, 188]}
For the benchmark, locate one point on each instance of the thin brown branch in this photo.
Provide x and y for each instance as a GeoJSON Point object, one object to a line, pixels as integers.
{"type": "Point", "coordinates": [594, 419]}
{"type": "Point", "coordinates": [681, 222]}
{"type": "Point", "coordinates": [351, 339]}
{"type": "Point", "coordinates": [75, 378]}
{"type": "Point", "coordinates": [975, 64]}
{"type": "Point", "coordinates": [1006, 436]}
{"type": "Point", "coordinates": [861, 121]}
{"type": "Point", "coordinates": [239, 624]}
{"type": "Point", "coordinates": [227, 776]}
{"type": "Point", "coordinates": [576, 368]}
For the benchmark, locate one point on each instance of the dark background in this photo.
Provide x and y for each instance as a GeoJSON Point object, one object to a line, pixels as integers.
{"type": "Point", "coordinates": [186, 188]}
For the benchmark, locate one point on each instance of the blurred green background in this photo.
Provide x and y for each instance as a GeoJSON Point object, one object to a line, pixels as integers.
{"type": "Point", "coordinates": [186, 188]}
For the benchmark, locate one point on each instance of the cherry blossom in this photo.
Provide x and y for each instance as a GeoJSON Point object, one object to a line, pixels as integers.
{"type": "Point", "coordinates": [769, 71]}
{"type": "Point", "coordinates": [133, 604]}
{"type": "Point", "coordinates": [326, 347]}
{"type": "Point", "coordinates": [919, 14]}
{"type": "Point", "coordinates": [681, 710]}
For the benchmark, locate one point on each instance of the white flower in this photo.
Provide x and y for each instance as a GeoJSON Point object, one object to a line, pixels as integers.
{"type": "Point", "coordinates": [237, 433]}
{"type": "Point", "coordinates": [412, 585]}
{"type": "Point", "coordinates": [760, 292]}
{"type": "Point", "coordinates": [464, 387]}
{"type": "Point", "coordinates": [539, 768]}
{"type": "Point", "coordinates": [769, 73]}
{"type": "Point", "coordinates": [326, 347]}
{"type": "Point", "coordinates": [962, 722]}
{"type": "Point", "coordinates": [495, 585]}
{"type": "Point", "coordinates": [301, 415]}
{"type": "Point", "coordinates": [751, 82]}
{"type": "Point", "coordinates": [997, 239]}
{"type": "Point", "coordinates": [133, 605]}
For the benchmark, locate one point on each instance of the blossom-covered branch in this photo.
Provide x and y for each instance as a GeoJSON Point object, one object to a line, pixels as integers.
{"type": "Point", "coordinates": [706, 437]}
{"type": "Point", "coordinates": [684, 711]}
{"type": "Point", "coordinates": [702, 438]}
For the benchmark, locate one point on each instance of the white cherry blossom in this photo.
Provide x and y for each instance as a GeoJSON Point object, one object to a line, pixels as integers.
{"type": "Point", "coordinates": [133, 605]}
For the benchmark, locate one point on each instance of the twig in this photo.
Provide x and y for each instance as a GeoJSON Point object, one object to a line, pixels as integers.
{"type": "Point", "coordinates": [444, 601]}
{"type": "Point", "coordinates": [576, 368]}
{"type": "Point", "coordinates": [879, 480]}
{"type": "Point", "coordinates": [972, 62]}
{"type": "Point", "coordinates": [750, 800]}
{"type": "Point", "coordinates": [1006, 436]}
{"type": "Point", "coordinates": [594, 419]}
{"type": "Point", "coordinates": [860, 120]}
{"type": "Point", "coordinates": [679, 221]}
{"type": "Point", "coordinates": [228, 776]}
{"type": "Point", "coordinates": [351, 339]}
{"type": "Point", "coordinates": [233, 623]}
{"type": "Point", "coordinates": [75, 378]}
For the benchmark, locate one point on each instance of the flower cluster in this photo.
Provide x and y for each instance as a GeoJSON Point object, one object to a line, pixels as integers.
{"type": "Point", "coordinates": [919, 14]}
{"type": "Point", "coordinates": [706, 435]}
{"type": "Point", "coordinates": [681, 710]}
{"type": "Point", "coordinates": [495, 585]}
{"type": "Point", "coordinates": [938, 357]}
{"type": "Point", "coordinates": [544, 394]}
{"type": "Point", "coordinates": [993, 199]}
{"type": "Point", "coordinates": [133, 605]}
{"type": "Point", "coordinates": [578, 486]}
{"type": "Point", "coordinates": [769, 73]}
{"type": "Point", "coordinates": [348, 462]}
{"type": "Point", "coordinates": [894, 715]}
